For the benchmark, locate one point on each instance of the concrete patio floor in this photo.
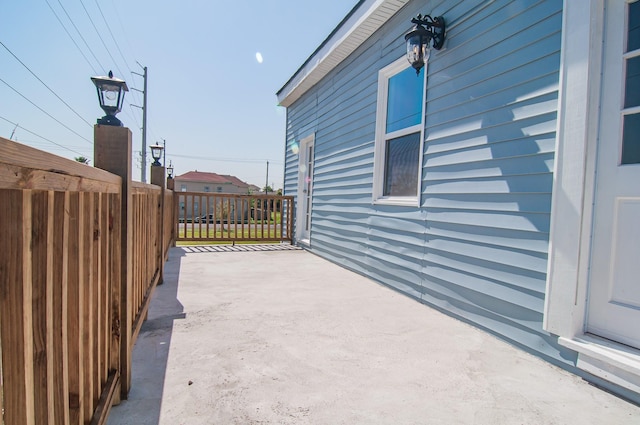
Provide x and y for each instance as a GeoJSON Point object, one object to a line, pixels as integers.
{"type": "Point", "coordinates": [275, 335]}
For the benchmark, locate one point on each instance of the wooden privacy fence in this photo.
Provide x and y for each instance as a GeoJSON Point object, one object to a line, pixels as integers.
{"type": "Point", "coordinates": [147, 254]}
{"type": "Point", "coordinates": [169, 220]}
{"type": "Point", "coordinates": [233, 218]}
{"type": "Point", "coordinates": [69, 307]}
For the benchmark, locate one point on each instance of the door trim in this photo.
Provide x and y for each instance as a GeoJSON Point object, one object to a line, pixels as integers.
{"type": "Point", "coordinates": [617, 363]}
{"type": "Point", "coordinates": [301, 236]}
{"type": "Point", "coordinates": [573, 195]}
{"type": "Point", "coordinates": [574, 173]}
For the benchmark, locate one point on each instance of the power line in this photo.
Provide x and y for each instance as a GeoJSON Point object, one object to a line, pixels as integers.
{"type": "Point", "coordinates": [133, 92]}
{"type": "Point", "coordinates": [115, 9]}
{"type": "Point", "coordinates": [124, 34]}
{"type": "Point", "coordinates": [78, 47]}
{"type": "Point", "coordinates": [225, 159]}
{"type": "Point", "coordinates": [100, 37]}
{"type": "Point", "coordinates": [69, 34]}
{"type": "Point", "coordinates": [132, 114]}
{"type": "Point", "coordinates": [43, 144]}
{"type": "Point", "coordinates": [42, 137]}
{"type": "Point", "coordinates": [43, 83]}
{"type": "Point", "coordinates": [112, 37]}
{"type": "Point", "coordinates": [45, 112]}
{"type": "Point", "coordinates": [80, 34]}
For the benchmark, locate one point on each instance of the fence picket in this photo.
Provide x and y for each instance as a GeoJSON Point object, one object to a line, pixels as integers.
{"type": "Point", "coordinates": [67, 293]}
{"type": "Point", "coordinates": [233, 217]}
{"type": "Point", "coordinates": [15, 308]}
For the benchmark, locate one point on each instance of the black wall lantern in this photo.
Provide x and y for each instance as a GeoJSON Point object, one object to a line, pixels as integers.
{"type": "Point", "coordinates": [156, 153]}
{"type": "Point", "coordinates": [426, 29]}
{"type": "Point", "coordinates": [111, 95]}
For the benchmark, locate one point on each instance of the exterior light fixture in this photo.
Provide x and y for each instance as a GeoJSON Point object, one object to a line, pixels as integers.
{"type": "Point", "coordinates": [426, 29]}
{"type": "Point", "coordinates": [111, 95]}
{"type": "Point", "coordinates": [170, 170]}
{"type": "Point", "coordinates": [156, 153]}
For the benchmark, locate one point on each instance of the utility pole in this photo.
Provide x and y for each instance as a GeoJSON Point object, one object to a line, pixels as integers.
{"type": "Point", "coordinates": [144, 122]}
{"type": "Point", "coordinates": [266, 183]}
{"type": "Point", "coordinates": [13, 132]}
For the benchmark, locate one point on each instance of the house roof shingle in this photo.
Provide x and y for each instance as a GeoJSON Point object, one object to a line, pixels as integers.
{"type": "Point", "coordinates": [204, 177]}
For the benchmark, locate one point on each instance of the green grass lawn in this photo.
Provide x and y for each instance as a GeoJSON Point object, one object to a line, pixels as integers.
{"type": "Point", "coordinates": [228, 233]}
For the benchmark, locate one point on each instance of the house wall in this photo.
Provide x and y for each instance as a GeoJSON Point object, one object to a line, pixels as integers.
{"type": "Point", "coordinates": [477, 247]}
{"type": "Point", "coordinates": [187, 210]}
{"type": "Point", "coordinates": [191, 186]}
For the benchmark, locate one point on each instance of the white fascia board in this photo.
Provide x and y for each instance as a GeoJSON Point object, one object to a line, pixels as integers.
{"type": "Point", "coordinates": [362, 23]}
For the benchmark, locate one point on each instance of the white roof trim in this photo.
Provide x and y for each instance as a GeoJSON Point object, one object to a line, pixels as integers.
{"type": "Point", "coordinates": [362, 23]}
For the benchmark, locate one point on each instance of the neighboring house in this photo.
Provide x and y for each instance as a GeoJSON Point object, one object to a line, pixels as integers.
{"type": "Point", "coordinates": [253, 189]}
{"type": "Point", "coordinates": [500, 186]}
{"type": "Point", "coordinates": [198, 181]}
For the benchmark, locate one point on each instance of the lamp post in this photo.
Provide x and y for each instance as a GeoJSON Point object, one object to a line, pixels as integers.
{"type": "Point", "coordinates": [111, 95]}
{"type": "Point", "coordinates": [170, 170]}
{"type": "Point", "coordinates": [156, 154]}
{"type": "Point", "coordinates": [425, 29]}
{"type": "Point", "coordinates": [170, 181]}
{"type": "Point", "coordinates": [112, 153]}
{"type": "Point", "coordinates": [157, 170]}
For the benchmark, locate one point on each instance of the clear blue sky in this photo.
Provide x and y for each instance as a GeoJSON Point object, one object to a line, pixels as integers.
{"type": "Point", "coordinates": [209, 95]}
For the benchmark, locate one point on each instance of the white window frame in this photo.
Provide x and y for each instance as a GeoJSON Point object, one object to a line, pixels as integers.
{"type": "Point", "coordinates": [381, 136]}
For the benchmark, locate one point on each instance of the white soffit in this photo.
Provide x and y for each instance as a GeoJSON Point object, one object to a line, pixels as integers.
{"type": "Point", "coordinates": [363, 22]}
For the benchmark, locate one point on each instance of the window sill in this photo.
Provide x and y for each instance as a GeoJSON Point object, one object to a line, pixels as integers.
{"type": "Point", "coordinates": [405, 201]}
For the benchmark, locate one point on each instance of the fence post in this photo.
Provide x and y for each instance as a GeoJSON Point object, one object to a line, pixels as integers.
{"type": "Point", "coordinates": [171, 184]}
{"type": "Point", "coordinates": [157, 178]}
{"type": "Point", "coordinates": [112, 152]}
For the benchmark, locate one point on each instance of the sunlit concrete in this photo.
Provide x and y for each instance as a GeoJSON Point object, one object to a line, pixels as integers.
{"type": "Point", "coordinates": [250, 335]}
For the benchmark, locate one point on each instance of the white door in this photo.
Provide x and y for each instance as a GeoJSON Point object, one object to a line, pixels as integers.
{"type": "Point", "coordinates": [305, 187]}
{"type": "Point", "coordinates": [614, 291]}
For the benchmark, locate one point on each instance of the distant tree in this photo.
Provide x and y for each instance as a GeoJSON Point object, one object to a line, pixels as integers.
{"type": "Point", "coordinates": [278, 205]}
{"type": "Point", "coordinates": [82, 159]}
{"type": "Point", "coordinates": [268, 189]}
{"type": "Point", "coordinates": [225, 209]}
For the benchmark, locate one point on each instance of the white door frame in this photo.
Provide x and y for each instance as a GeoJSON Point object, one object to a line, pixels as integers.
{"type": "Point", "coordinates": [573, 195]}
{"type": "Point", "coordinates": [305, 192]}
{"type": "Point", "coordinates": [614, 294]}
{"type": "Point", "coordinates": [574, 174]}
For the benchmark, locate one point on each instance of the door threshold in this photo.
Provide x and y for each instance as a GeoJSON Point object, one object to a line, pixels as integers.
{"type": "Point", "coordinates": [305, 243]}
{"type": "Point", "coordinates": [606, 359]}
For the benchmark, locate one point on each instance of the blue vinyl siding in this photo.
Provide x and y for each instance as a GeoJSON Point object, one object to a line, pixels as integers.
{"type": "Point", "coordinates": [477, 246]}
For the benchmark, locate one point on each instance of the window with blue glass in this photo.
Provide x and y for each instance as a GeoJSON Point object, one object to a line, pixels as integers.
{"type": "Point", "coordinates": [404, 100]}
{"type": "Point", "coordinates": [399, 134]}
